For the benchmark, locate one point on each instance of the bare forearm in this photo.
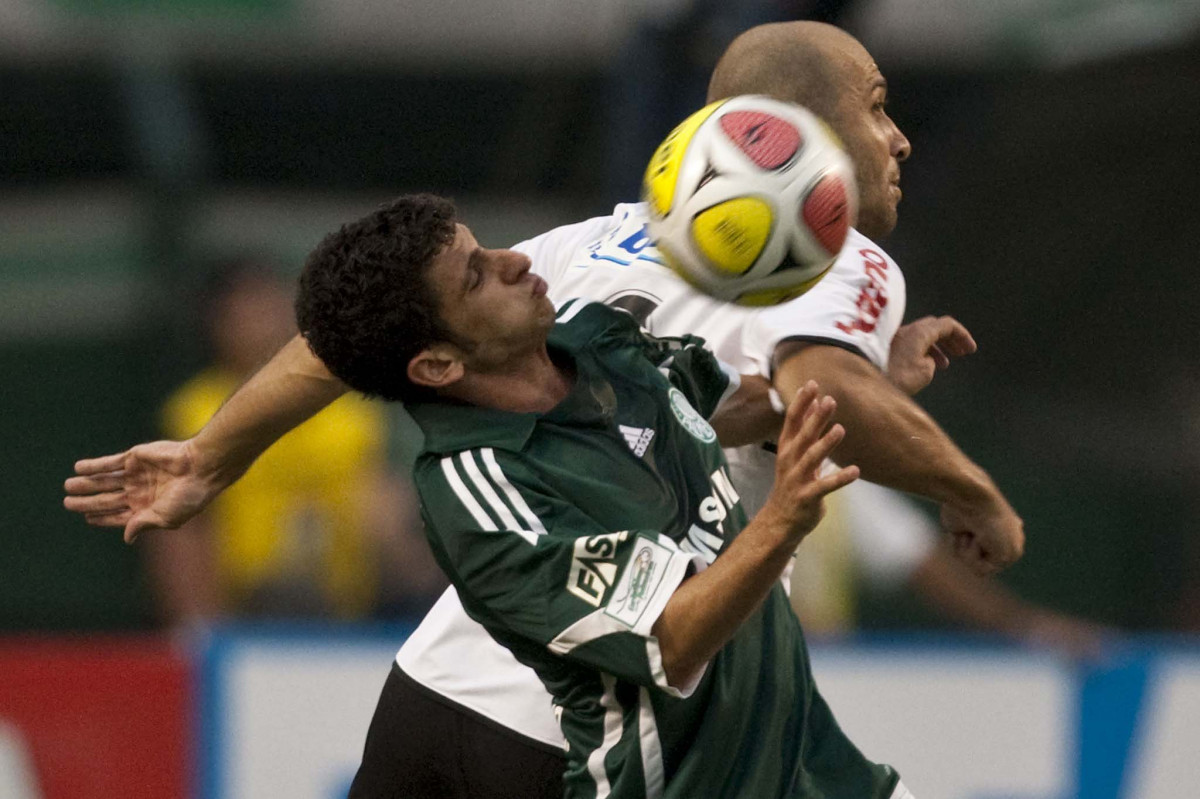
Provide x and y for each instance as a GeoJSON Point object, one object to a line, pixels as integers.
{"type": "Point", "coordinates": [292, 387]}
{"type": "Point", "coordinates": [747, 417]}
{"type": "Point", "coordinates": [706, 610]}
{"type": "Point", "coordinates": [891, 438]}
{"type": "Point", "coordinates": [897, 444]}
{"type": "Point", "coordinates": [988, 605]}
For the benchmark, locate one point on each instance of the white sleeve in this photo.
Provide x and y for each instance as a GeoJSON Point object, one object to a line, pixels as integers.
{"type": "Point", "coordinates": [552, 252]}
{"type": "Point", "coordinates": [890, 534]}
{"type": "Point", "coordinates": [735, 382]}
{"type": "Point", "coordinates": [858, 305]}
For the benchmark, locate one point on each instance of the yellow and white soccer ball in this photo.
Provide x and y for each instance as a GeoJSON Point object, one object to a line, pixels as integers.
{"type": "Point", "coordinates": [751, 199]}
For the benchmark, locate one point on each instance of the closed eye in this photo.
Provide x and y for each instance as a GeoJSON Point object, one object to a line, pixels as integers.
{"type": "Point", "coordinates": [474, 272]}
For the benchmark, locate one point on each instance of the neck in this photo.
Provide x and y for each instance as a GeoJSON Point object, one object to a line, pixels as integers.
{"type": "Point", "coordinates": [533, 384]}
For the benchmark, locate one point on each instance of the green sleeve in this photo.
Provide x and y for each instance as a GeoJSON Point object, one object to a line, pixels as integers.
{"type": "Point", "coordinates": [527, 562]}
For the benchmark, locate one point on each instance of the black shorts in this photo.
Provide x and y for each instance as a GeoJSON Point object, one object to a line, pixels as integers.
{"type": "Point", "coordinates": [422, 746]}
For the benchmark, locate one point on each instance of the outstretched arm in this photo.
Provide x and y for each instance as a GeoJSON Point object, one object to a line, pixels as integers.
{"type": "Point", "coordinates": [986, 604]}
{"type": "Point", "coordinates": [163, 484]}
{"type": "Point", "coordinates": [291, 388]}
{"type": "Point", "coordinates": [706, 609]}
{"type": "Point", "coordinates": [895, 543]}
{"type": "Point", "coordinates": [897, 444]}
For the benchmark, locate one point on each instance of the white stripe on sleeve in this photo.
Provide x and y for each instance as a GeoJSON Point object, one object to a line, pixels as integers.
{"type": "Point", "coordinates": [464, 495]}
{"type": "Point", "coordinates": [514, 496]}
{"type": "Point", "coordinates": [735, 382]}
{"type": "Point", "coordinates": [485, 488]}
{"type": "Point", "coordinates": [596, 624]}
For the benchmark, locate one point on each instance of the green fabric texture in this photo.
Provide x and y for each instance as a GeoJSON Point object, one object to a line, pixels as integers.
{"type": "Point", "coordinates": [565, 534]}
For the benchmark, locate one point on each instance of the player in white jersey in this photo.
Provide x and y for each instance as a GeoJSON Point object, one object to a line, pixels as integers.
{"type": "Point", "coordinates": [839, 333]}
{"type": "Point", "coordinates": [857, 308]}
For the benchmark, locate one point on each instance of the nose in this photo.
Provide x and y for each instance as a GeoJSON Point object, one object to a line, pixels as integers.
{"type": "Point", "coordinates": [901, 148]}
{"type": "Point", "coordinates": [511, 265]}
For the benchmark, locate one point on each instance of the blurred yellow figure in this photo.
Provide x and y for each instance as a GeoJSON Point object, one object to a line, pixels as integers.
{"type": "Point", "coordinates": [288, 538]}
{"type": "Point", "coordinates": [822, 584]}
{"type": "Point", "coordinates": [318, 527]}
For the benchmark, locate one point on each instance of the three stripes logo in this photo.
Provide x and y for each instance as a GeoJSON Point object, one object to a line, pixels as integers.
{"type": "Point", "coordinates": [638, 438]}
{"type": "Point", "coordinates": [503, 507]}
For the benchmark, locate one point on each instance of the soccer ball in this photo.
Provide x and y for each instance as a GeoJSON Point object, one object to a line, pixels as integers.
{"type": "Point", "coordinates": [750, 200]}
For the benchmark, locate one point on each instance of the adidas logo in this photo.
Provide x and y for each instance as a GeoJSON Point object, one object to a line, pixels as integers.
{"type": "Point", "coordinates": [638, 438]}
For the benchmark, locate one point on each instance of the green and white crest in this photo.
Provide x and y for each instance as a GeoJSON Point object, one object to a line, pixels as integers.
{"type": "Point", "coordinates": [693, 422]}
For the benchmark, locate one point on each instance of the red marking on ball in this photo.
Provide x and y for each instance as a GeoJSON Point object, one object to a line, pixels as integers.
{"type": "Point", "coordinates": [769, 141]}
{"type": "Point", "coordinates": [826, 211]}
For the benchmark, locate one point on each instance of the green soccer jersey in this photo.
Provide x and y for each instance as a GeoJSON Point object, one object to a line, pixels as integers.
{"type": "Point", "coordinates": [565, 534]}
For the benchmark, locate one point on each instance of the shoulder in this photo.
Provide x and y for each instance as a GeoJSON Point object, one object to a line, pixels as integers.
{"type": "Point", "coordinates": [858, 305]}
{"type": "Point", "coordinates": [863, 259]}
{"type": "Point", "coordinates": [481, 490]}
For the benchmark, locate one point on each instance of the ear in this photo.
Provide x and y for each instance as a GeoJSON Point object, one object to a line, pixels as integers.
{"type": "Point", "coordinates": [436, 367]}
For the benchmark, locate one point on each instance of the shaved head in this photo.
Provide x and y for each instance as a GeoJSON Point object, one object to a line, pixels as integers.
{"type": "Point", "coordinates": [801, 62]}
{"type": "Point", "coordinates": [826, 70]}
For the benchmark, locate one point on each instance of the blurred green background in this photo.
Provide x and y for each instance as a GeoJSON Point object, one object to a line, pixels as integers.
{"type": "Point", "coordinates": [1050, 205]}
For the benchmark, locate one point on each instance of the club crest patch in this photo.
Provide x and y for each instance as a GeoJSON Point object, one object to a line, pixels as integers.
{"type": "Point", "coordinates": [643, 574]}
{"type": "Point", "coordinates": [693, 422]}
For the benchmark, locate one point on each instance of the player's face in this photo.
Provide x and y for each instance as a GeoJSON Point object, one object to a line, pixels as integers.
{"type": "Point", "coordinates": [873, 142]}
{"type": "Point", "coordinates": [493, 306]}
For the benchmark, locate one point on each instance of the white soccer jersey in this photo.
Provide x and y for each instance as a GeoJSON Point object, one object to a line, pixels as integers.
{"type": "Point", "coordinates": [859, 305]}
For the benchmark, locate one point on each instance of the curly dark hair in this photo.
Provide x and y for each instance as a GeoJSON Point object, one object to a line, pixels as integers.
{"type": "Point", "coordinates": [363, 303]}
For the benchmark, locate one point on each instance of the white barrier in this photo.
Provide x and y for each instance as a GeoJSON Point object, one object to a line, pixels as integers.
{"type": "Point", "coordinates": [285, 713]}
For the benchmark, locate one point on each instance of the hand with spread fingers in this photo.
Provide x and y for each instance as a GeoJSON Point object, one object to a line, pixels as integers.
{"type": "Point", "coordinates": [805, 443]}
{"type": "Point", "coordinates": [163, 484]}
{"type": "Point", "coordinates": [155, 486]}
{"type": "Point", "coordinates": [707, 608]}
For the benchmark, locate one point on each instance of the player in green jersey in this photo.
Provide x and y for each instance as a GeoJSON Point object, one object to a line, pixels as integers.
{"type": "Point", "coordinates": [621, 569]}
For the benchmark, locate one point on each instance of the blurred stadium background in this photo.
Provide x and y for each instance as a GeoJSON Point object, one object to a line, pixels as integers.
{"type": "Point", "coordinates": [1050, 205]}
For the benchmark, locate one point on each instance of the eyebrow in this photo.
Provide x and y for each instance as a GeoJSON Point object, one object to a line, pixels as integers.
{"type": "Point", "coordinates": [879, 83]}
